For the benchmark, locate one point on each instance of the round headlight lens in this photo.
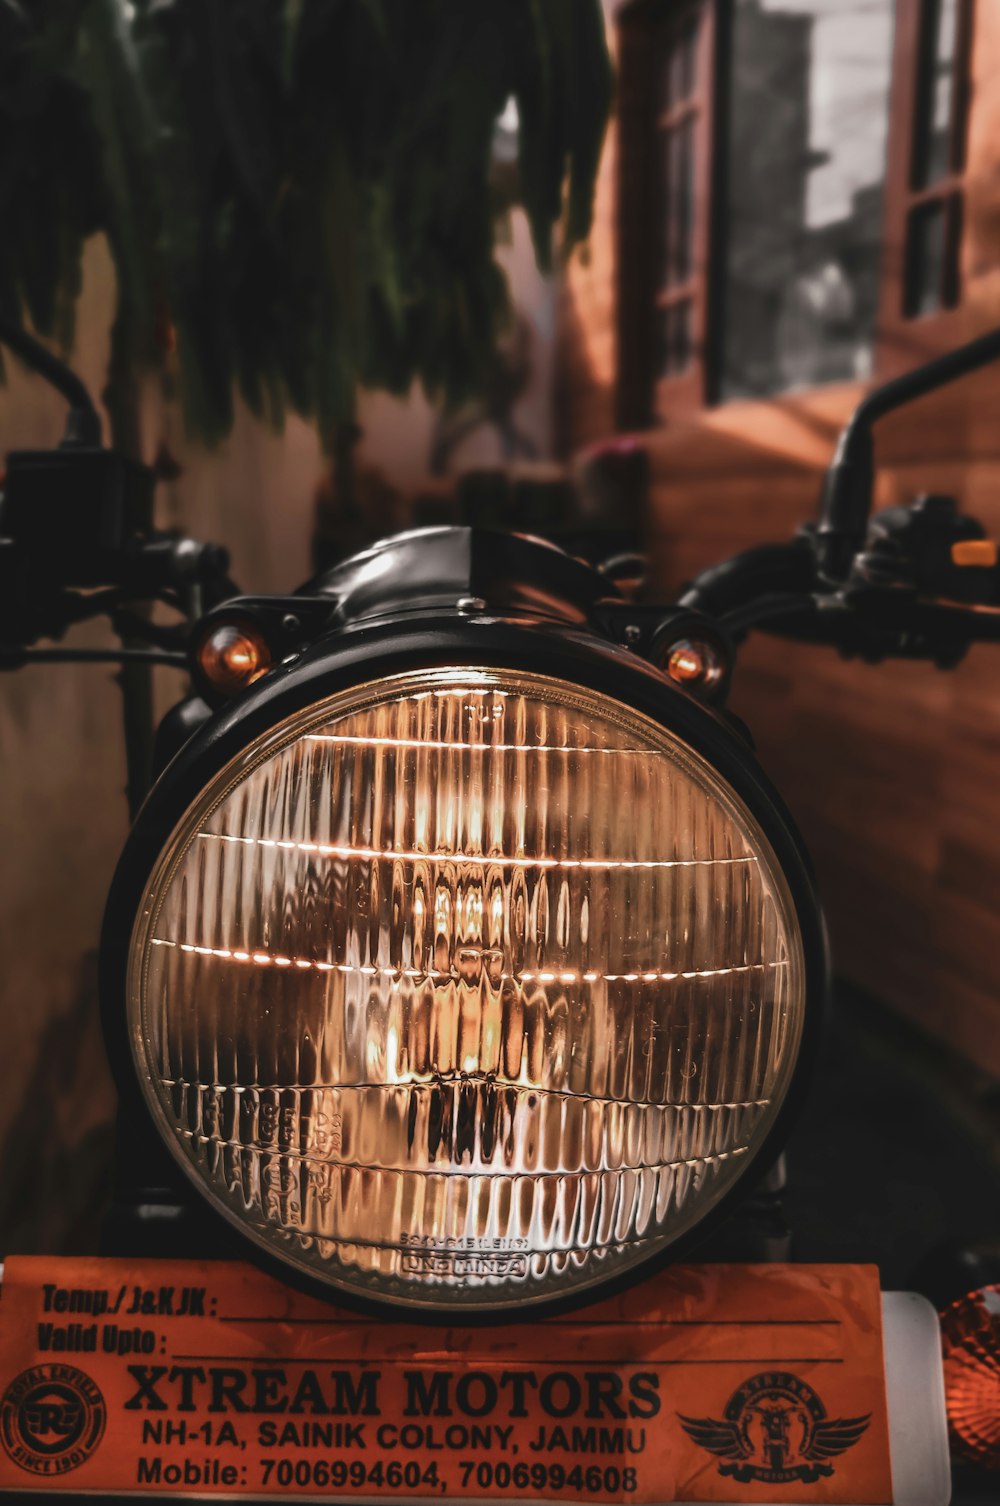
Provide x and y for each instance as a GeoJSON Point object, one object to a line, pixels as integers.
{"type": "Point", "coordinates": [466, 988]}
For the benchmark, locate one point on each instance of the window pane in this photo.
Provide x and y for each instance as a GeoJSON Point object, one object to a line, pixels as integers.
{"type": "Point", "coordinates": [932, 240]}
{"type": "Point", "coordinates": [679, 61]}
{"type": "Point", "coordinates": [935, 91]}
{"type": "Point", "coordinates": [674, 339]}
{"type": "Point", "coordinates": [809, 96]}
{"type": "Point", "coordinates": [686, 50]}
{"type": "Point", "coordinates": [925, 259]}
{"type": "Point", "coordinates": [678, 148]}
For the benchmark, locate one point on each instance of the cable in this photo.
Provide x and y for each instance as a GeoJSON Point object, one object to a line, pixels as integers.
{"type": "Point", "coordinates": [128, 624]}
{"type": "Point", "coordinates": [83, 426]}
{"type": "Point", "coordinates": [13, 658]}
{"type": "Point", "coordinates": [847, 490]}
{"type": "Point", "coordinates": [927, 378]}
{"type": "Point", "coordinates": [764, 608]}
{"type": "Point", "coordinates": [738, 583]}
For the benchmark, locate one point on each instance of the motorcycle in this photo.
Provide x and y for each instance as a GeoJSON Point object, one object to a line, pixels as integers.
{"type": "Point", "coordinates": [461, 959]}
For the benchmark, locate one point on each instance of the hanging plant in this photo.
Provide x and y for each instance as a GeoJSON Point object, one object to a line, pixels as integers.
{"type": "Point", "coordinates": [300, 191]}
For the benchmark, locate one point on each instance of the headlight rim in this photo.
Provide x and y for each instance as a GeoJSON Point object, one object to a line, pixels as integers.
{"type": "Point", "coordinates": [348, 658]}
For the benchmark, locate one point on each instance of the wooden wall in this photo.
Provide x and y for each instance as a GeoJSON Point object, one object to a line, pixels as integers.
{"type": "Point", "coordinates": [892, 771]}
{"type": "Point", "coordinates": [586, 341]}
{"type": "Point", "coordinates": [62, 809]}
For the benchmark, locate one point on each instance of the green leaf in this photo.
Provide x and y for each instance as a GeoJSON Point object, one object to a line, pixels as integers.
{"type": "Point", "coordinates": [304, 189]}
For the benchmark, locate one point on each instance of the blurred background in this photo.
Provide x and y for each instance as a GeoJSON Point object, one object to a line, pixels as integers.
{"type": "Point", "coordinates": [339, 269]}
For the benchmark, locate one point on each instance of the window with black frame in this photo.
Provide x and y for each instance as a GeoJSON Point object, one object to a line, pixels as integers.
{"type": "Point", "coordinates": [808, 105]}
{"type": "Point", "coordinates": [777, 224]}
{"type": "Point", "coordinates": [681, 108]}
{"type": "Point", "coordinates": [934, 218]}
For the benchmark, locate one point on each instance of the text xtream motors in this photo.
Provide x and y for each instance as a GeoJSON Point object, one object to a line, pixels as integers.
{"type": "Point", "coordinates": [260, 1390]}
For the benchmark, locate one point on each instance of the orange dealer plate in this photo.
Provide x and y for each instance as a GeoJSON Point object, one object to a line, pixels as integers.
{"type": "Point", "coordinates": [705, 1383]}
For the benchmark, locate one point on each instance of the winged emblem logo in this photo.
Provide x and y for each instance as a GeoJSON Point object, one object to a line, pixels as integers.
{"type": "Point", "coordinates": [775, 1428]}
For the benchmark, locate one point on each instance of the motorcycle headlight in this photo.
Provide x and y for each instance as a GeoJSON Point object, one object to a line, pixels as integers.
{"type": "Point", "coordinates": [466, 985]}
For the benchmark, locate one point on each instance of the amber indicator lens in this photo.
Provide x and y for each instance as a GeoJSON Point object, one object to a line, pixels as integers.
{"type": "Point", "coordinates": [971, 1334]}
{"type": "Point", "coordinates": [232, 656]}
{"type": "Point", "coordinates": [466, 988]}
{"type": "Point", "coordinates": [696, 664]}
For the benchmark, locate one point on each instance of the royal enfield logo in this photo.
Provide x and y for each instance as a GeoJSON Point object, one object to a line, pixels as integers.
{"type": "Point", "coordinates": [775, 1429]}
{"type": "Point", "coordinates": [51, 1419]}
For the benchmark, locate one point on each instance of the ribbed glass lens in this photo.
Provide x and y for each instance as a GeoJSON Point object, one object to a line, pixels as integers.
{"type": "Point", "coordinates": [970, 1331]}
{"type": "Point", "coordinates": [466, 988]}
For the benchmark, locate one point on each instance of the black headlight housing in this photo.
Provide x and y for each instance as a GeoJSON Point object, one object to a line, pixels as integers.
{"type": "Point", "coordinates": [463, 961]}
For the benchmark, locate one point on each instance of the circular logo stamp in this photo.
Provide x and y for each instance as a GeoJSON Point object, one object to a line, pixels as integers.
{"type": "Point", "coordinates": [774, 1428]}
{"type": "Point", "coordinates": [51, 1419]}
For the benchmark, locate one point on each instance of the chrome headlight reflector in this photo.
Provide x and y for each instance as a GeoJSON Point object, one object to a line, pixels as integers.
{"type": "Point", "coordinates": [469, 986]}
